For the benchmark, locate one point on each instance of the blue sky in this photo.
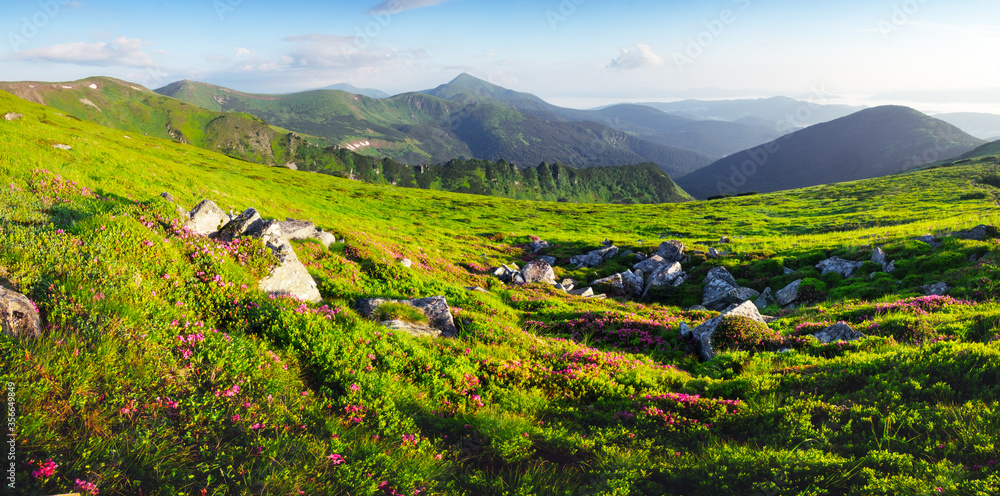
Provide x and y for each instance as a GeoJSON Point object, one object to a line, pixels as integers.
{"type": "Point", "coordinates": [930, 54]}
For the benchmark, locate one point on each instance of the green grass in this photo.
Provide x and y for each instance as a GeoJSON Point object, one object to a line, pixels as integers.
{"type": "Point", "coordinates": [161, 370]}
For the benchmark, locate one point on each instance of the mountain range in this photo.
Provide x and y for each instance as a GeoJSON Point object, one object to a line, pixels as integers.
{"type": "Point", "coordinates": [870, 143]}
{"type": "Point", "coordinates": [481, 128]}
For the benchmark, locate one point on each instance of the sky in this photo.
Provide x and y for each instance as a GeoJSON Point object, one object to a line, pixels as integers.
{"type": "Point", "coordinates": [932, 55]}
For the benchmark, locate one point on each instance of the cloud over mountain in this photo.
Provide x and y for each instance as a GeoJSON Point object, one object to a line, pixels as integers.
{"type": "Point", "coordinates": [120, 52]}
{"type": "Point", "coordinates": [639, 56]}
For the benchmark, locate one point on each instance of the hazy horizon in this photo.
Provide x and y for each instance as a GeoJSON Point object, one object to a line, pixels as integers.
{"type": "Point", "coordinates": [576, 53]}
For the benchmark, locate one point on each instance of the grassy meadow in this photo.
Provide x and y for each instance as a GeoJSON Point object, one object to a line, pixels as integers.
{"type": "Point", "coordinates": [162, 370]}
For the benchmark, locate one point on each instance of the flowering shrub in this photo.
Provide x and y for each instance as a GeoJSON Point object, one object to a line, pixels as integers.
{"type": "Point", "coordinates": [742, 333]}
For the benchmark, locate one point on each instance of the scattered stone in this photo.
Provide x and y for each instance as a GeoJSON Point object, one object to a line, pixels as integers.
{"type": "Point", "coordinates": [538, 271]}
{"type": "Point", "coordinates": [973, 258]}
{"type": "Point", "coordinates": [671, 251]}
{"type": "Point", "coordinates": [625, 283]}
{"type": "Point", "coordinates": [684, 330]}
{"type": "Point", "coordinates": [518, 279]}
{"type": "Point", "coordinates": [476, 289]}
{"type": "Point", "coordinates": [713, 253]}
{"type": "Point", "coordinates": [584, 293]}
{"type": "Point", "coordinates": [12, 116]}
{"type": "Point", "coordinates": [927, 238]}
{"type": "Point", "coordinates": [765, 300]}
{"type": "Point", "coordinates": [406, 262]}
{"type": "Point", "coordinates": [650, 265]}
{"type": "Point", "coordinates": [843, 267]}
{"type": "Point", "coordinates": [326, 238]}
{"type": "Point", "coordinates": [548, 260]}
{"type": "Point", "coordinates": [838, 332]}
{"type": "Point", "coordinates": [978, 233]}
{"type": "Point", "coordinates": [568, 284]}
{"type": "Point", "coordinates": [739, 295]}
{"type": "Point", "coordinates": [244, 224]}
{"type": "Point", "coordinates": [297, 229]}
{"type": "Point", "coordinates": [718, 283]}
{"type": "Point", "coordinates": [18, 316]}
{"type": "Point", "coordinates": [435, 308]}
{"type": "Point", "coordinates": [787, 295]}
{"type": "Point", "coordinates": [671, 275]}
{"type": "Point", "coordinates": [504, 273]}
{"type": "Point", "coordinates": [63, 147]}
{"type": "Point", "coordinates": [167, 196]}
{"type": "Point", "coordinates": [206, 218]}
{"type": "Point", "coordinates": [938, 289]}
{"type": "Point", "coordinates": [724, 240]}
{"type": "Point", "coordinates": [703, 333]}
{"type": "Point", "coordinates": [594, 258]}
{"type": "Point", "coordinates": [632, 283]}
{"type": "Point", "coordinates": [696, 308]}
{"type": "Point", "coordinates": [787, 271]}
{"type": "Point", "coordinates": [606, 243]}
{"type": "Point", "coordinates": [878, 256]}
{"type": "Point", "coordinates": [891, 267]}
{"type": "Point", "coordinates": [640, 256]}
{"type": "Point", "coordinates": [537, 245]}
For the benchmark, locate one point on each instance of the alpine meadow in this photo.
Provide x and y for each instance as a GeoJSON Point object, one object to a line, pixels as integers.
{"type": "Point", "coordinates": [259, 259]}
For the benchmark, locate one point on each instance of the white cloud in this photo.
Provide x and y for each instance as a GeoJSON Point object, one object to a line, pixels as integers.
{"type": "Point", "coordinates": [243, 53]}
{"type": "Point", "coordinates": [120, 52]}
{"type": "Point", "coordinates": [393, 7]}
{"type": "Point", "coordinates": [641, 55]}
{"type": "Point", "coordinates": [330, 51]}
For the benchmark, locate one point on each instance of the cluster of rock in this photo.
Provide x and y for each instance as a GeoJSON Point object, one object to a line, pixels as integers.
{"type": "Point", "coordinates": [288, 277]}
{"type": "Point", "coordinates": [435, 308]}
{"type": "Point", "coordinates": [12, 116]}
{"type": "Point", "coordinates": [702, 335]}
{"type": "Point", "coordinates": [661, 269]}
{"type": "Point", "coordinates": [540, 271]}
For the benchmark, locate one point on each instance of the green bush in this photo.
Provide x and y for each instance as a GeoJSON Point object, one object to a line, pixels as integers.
{"type": "Point", "coordinates": [812, 290]}
{"type": "Point", "coordinates": [399, 311]}
{"type": "Point", "coordinates": [742, 333]}
{"type": "Point", "coordinates": [906, 328]}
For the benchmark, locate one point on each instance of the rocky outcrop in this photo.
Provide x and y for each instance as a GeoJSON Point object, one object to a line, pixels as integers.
{"type": "Point", "coordinates": [289, 277]}
{"type": "Point", "coordinates": [846, 268]}
{"type": "Point", "coordinates": [939, 289]}
{"type": "Point", "coordinates": [927, 238]}
{"type": "Point", "coordinates": [12, 116]}
{"type": "Point", "coordinates": [788, 294]}
{"type": "Point", "coordinates": [206, 218]}
{"type": "Point", "coordinates": [979, 233]}
{"type": "Point", "coordinates": [766, 298]}
{"type": "Point", "coordinates": [18, 316]}
{"type": "Point", "coordinates": [667, 275]}
{"type": "Point", "coordinates": [538, 271]}
{"type": "Point", "coordinates": [703, 333]}
{"type": "Point", "coordinates": [435, 308]}
{"type": "Point", "coordinates": [548, 260]}
{"type": "Point", "coordinates": [718, 283]}
{"type": "Point", "coordinates": [582, 292]}
{"type": "Point", "coordinates": [838, 332]}
{"type": "Point", "coordinates": [879, 257]}
{"type": "Point", "coordinates": [595, 258]}
{"type": "Point", "coordinates": [506, 273]}
{"type": "Point", "coordinates": [626, 283]}
{"type": "Point", "coordinates": [537, 245]}
{"type": "Point", "coordinates": [671, 251]}
{"type": "Point", "coordinates": [651, 264]}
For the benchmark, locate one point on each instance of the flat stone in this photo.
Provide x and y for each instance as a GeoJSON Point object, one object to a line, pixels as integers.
{"type": "Point", "coordinates": [838, 332]}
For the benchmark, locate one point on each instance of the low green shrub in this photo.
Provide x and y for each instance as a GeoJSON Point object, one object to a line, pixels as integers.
{"type": "Point", "coordinates": [742, 333]}
{"type": "Point", "coordinates": [399, 311]}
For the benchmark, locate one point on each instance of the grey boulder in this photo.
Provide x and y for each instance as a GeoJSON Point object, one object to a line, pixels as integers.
{"type": "Point", "coordinates": [435, 308]}
{"type": "Point", "coordinates": [595, 258]}
{"type": "Point", "coordinates": [18, 316]}
{"type": "Point", "coordinates": [788, 294]}
{"type": "Point", "coordinates": [703, 333]}
{"type": "Point", "coordinates": [838, 332]}
{"type": "Point", "coordinates": [538, 271]}
{"type": "Point", "coordinates": [846, 268]}
{"type": "Point", "coordinates": [206, 218]}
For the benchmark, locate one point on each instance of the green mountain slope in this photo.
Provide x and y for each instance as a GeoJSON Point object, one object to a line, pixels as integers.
{"type": "Point", "coordinates": [870, 143]}
{"type": "Point", "coordinates": [711, 138]}
{"type": "Point", "coordinates": [161, 369]}
{"type": "Point", "coordinates": [134, 109]}
{"type": "Point", "coordinates": [418, 128]}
